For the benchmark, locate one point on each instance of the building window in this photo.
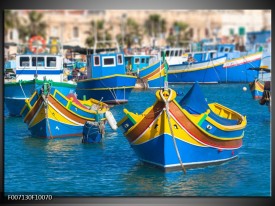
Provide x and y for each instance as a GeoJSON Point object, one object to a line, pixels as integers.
{"type": "Point", "coordinates": [54, 31]}
{"type": "Point", "coordinates": [75, 32]}
{"type": "Point", "coordinates": [191, 32]}
{"type": "Point", "coordinates": [11, 35]}
{"type": "Point", "coordinates": [206, 32]}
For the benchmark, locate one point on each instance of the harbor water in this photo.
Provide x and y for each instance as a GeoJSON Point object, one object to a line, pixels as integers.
{"type": "Point", "coordinates": [67, 167]}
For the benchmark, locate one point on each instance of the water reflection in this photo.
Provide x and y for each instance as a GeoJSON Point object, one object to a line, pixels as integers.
{"type": "Point", "coordinates": [146, 180]}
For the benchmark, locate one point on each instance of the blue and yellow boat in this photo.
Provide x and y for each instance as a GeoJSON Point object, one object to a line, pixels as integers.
{"type": "Point", "coordinates": [236, 70]}
{"type": "Point", "coordinates": [107, 80]}
{"type": "Point", "coordinates": [185, 134]}
{"type": "Point", "coordinates": [266, 97]}
{"type": "Point", "coordinates": [50, 114]}
{"type": "Point", "coordinates": [154, 75]}
{"type": "Point", "coordinates": [203, 70]}
{"type": "Point", "coordinates": [31, 72]}
{"type": "Point", "coordinates": [148, 68]}
{"type": "Point", "coordinates": [257, 86]}
{"type": "Point", "coordinates": [256, 89]}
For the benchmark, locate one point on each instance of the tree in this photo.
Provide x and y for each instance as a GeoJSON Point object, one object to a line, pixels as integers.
{"type": "Point", "coordinates": [178, 34]}
{"type": "Point", "coordinates": [98, 32]}
{"type": "Point", "coordinates": [32, 26]}
{"type": "Point", "coordinates": [155, 25]}
{"type": "Point", "coordinates": [132, 34]}
{"type": "Point", "coordinates": [10, 21]}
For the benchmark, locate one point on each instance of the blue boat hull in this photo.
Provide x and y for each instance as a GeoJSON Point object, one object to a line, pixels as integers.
{"type": "Point", "coordinates": [112, 90]}
{"type": "Point", "coordinates": [200, 71]}
{"type": "Point", "coordinates": [156, 83]}
{"type": "Point", "coordinates": [256, 94]}
{"type": "Point", "coordinates": [14, 106]}
{"type": "Point", "coordinates": [165, 156]}
{"type": "Point", "coordinates": [239, 73]}
{"type": "Point", "coordinates": [58, 129]}
{"type": "Point", "coordinates": [203, 76]}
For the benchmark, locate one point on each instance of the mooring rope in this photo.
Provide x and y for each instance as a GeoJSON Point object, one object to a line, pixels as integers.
{"type": "Point", "coordinates": [170, 126]}
{"type": "Point", "coordinates": [211, 59]}
{"type": "Point", "coordinates": [112, 92]}
{"type": "Point", "coordinates": [22, 89]}
{"type": "Point", "coordinates": [45, 99]}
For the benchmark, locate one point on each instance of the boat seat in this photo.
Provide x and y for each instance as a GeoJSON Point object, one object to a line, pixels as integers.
{"type": "Point", "coordinates": [221, 120]}
{"type": "Point", "coordinates": [215, 117]}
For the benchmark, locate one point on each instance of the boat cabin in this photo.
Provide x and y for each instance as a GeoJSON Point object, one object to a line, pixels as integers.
{"type": "Point", "coordinates": [40, 66]}
{"type": "Point", "coordinates": [137, 62]}
{"type": "Point", "coordinates": [105, 64]}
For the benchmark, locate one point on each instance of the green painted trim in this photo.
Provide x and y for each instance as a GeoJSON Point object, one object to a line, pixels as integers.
{"type": "Point", "coordinates": [202, 119]}
{"type": "Point", "coordinates": [131, 118]}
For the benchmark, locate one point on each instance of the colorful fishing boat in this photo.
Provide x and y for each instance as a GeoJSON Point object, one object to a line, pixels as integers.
{"type": "Point", "coordinates": [50, 114]}
{"type": "Point", "coordinates": [148, 68]}
{"type": "Point", "coordinates": [191, 133]}
{"type": "Point", "coordinates": [266, 97]}
{"type": "Point", "coordinates": [256, 89]}
{"type": "Point", "coordinates": [15, 93]}
{"type": "Point", "coordinates": [236, 70]}
{"type": "Point", "coordinates": [257, 86]}
{"type": "Point", "coordinates": [32, 69]}
{"type": "Point", "coordinates": [153, 75]}
{"type": "Point", "coordinates": [203, 70]}
{"type": "Point", "coordinates": [107, 80]}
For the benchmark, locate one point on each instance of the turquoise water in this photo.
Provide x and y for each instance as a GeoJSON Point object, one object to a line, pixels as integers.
{"type": "Point", "coordinates": [66, 167]}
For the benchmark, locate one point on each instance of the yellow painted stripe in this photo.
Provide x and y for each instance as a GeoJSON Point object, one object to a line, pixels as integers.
{"type": "Point", "coordinates": [157, 75]}
{"type": "Point", "coordinates": [89, 102]}
{"type": "Point", "coordinates": [38, 116]}
{"type": "Point", "coordinates": [138, 118]}
{"type": "Point", "coordinates": [161, 126]}
{"type": "Point", "coordinates": [104, 88]}
{"type": "Point", "coordinates": [196, 118]}
{"type": "Point", "coordinates": [110, 76]}
{"type": "Point", "coordinates": [55, 115]}
{"type": "Point", "coordinates": [259, 86]}
{"type": "Point", "coordinates": [149, 66]}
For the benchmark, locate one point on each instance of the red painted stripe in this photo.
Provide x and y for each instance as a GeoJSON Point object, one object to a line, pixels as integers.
{"type": "Point", "coordinates": [198, 134]}
{"type": "Point", "coordinates": [260, 85]}
{"type": "Point", "coordinates": [32, 112]}
{"type": "Point", "coordinates": [145, 122]}
{"type": "Point", "coordinates": [154, 72]}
